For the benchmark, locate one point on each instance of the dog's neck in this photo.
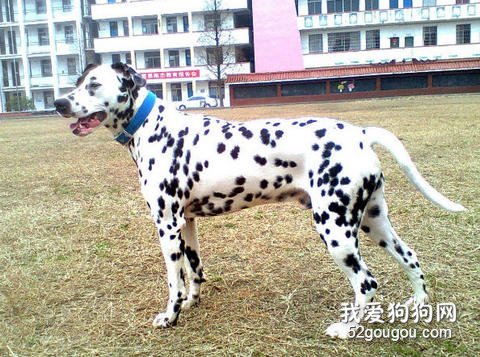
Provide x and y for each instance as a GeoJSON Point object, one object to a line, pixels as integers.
{"type": "Point", "coordinates": [123, 118]}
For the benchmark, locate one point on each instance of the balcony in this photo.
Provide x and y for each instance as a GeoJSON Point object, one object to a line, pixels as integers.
{"type": "Point", "coordinates": [63, 13]}
{"type": "Point", "coordinates": [125, 43]}
{"type": "Point", "coordinates": [37, 81]}
{"type": "Point", "coordinates": [36, 48]}
{"type": "Point", "coordinates": [67, 46]}
{"type": "Point", "coordinates": [164, 41]}
{"type": "Point", "coordinates": [66, 80]}
{"type": "Point", "coordinates": [389, 16]}
{"type": "Point", "coordinates": [10, 84]}
{"type": "Point", "coordinates": [11, 20]}
{"type": "Point", "coordinates": [103, 10]}
{"type": "Point", "coordinates": [235, 36]}
{"type": "Point", "coordinates": [6, 52]}
{"type": "Point", "coordinates": [385, 55]}
{"type": "Point", "coordinates": [31, 17]}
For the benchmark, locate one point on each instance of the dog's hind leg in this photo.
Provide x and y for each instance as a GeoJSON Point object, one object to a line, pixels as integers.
{"type": "Point", "coordinates": [173, 249]}
{"type": "Point", "coordinates": [338, 228]}
{"type": "Point", "coordinates": [376, 225]}
{"type": "Point", "coordinates": [193, 263]}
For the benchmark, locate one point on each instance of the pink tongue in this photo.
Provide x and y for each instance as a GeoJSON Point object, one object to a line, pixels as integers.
{"type": "Point", "coordinates": [84, 126]}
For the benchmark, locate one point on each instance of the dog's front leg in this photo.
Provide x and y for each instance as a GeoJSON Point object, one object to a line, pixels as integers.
{"type": "Point", "coordinates": [173, 249]}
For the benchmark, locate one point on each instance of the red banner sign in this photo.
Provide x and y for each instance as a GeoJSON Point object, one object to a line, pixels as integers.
{"type": "Point", "coordinates": [195, 73]}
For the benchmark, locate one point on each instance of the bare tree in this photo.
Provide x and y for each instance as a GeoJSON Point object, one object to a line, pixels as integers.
{"type": "Point", "coordinates": [219, 54]}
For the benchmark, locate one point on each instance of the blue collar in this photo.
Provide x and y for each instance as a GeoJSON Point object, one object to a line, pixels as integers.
{"type": "Point", "coordinates": [137, 120]}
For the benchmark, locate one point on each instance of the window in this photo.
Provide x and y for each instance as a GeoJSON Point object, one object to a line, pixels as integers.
{"type": "Point", "coordinates": [212, 21]}
{"type": "Point", "coordinates": [255, 91]}
{"type": "Point", "coordinates": [188, 58]}
{"type": "Point", "coordinates": [40, 7]}
{"type": "Point", "coordinates": [43, 39]}
{"type": "Point", "coordinates": [157, 89]}
{"type": "Point", "coordinates": [5, 74]}
{"type": "Point", "coordinates": [186, 26]}
{"type": "Point", "coordinates": [3, 46]}
{"type": "Point", "coordinates": [113, 29]}
{"type": "Point", "coordinates": [372, 39]}
{"type": "Point", "coordinates": [69, 37]}
{"type": "Point", "coordinates": [214, 55]}
{"type": "Point", "coordinates": [48, 99]}
{"type": "Point", "coordinates": [8, 14]}
{"type": "Point", "coordinates": [12, 42]}
{"type": "Point", "coordinates": [128, 58]}
{"type": "Point", "coordinates": [409, 42]}
{"type": "Point", "coordinates": [172, 24]}
{"type": "Point", "coordinates": [456, 80]}
{"type": "Point", "coordinates": [71, 66]}
{"type": "Point", "coordinates": [351, 86]}
{"type": "Point", "coordinates": [242, 53]}
{"type": "Point", "coordinates": [343, 41]}
{"type": "Point", "coordinates": [176, 90]}
{"type": "Point", "coordinates": [189, 89]}
{"type": "Point", "coordinates": [242, 19]}
{"type": "Point", "coordinates": [315, 43]}
{"type": "Point", "coordinates": [149, 26]}
{"type": "Point", "coordinates": [342, 6]}
{"type": "Point", "coordinates": [459, 2]}
{"type": "Point", "coordinates": [393, 4]}
{"type": "Point", "coordinates": [407, 4]}
{"type": "Point", "coordinates": [173, 58]}
{"type": "Point", "coordinates": [66, 5]}
{"type": "Point", "coordinates": [403, 82]}
{"type": "Point", "coordinates": [314, 7]}
{"type": "Point", "coordinates": [46, 67]}
{"type": "Point", "coordinates": [426, 3]}
{"type": "Point", "coordinates": [430, 35]}
{"type": "Point", "coordinates": [394, 42]}
{"type": "Point", "coordinates": [152, 59]}
{"type": "Point", "coordinates": [463, 34]}
{"type": "Point", "coordinates": [305, 88]}
{"type": "Point", "coordinates": [116, 57]}
{"type": "Point", "coordinates": [125, 28]}
{"type": "Point", "coordinates": [371, 5]}
{"type": "Point", "coordinates": [214, 91]}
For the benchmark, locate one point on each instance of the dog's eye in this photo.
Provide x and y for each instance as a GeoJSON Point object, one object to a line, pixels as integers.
{"type": "Point", "coordinates": [95, 85]}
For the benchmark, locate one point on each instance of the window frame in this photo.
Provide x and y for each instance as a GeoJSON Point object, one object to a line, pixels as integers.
{"type": "Point", "coordinates": [149, 56]}
{"type": "Point", "coordinates": [372, 39]}
{"type": "Point", "coordinates": [463, 34]}
{"type": "Point", "coordinates": [342, 41]}
{"type": "Point", "coordinates": [316, 38]}
{"type": "Point", "coordinates": [430, 36]}
{"type": "Point", "coordinates": [314, 7]}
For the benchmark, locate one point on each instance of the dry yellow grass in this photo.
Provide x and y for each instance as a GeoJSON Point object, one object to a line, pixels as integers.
{"type": "Point", "coordinates": [81, 272]}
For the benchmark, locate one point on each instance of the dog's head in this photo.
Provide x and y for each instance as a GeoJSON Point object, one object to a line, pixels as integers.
{"type": "Point", "coordinates": [104, 94]}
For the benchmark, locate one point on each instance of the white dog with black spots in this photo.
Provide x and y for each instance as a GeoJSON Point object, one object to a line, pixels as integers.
{"type": "Point", "coordinates": [194, 166]}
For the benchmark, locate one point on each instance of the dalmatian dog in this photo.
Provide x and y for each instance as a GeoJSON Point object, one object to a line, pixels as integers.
{"type": "Point", "coordinates": [194, 166]}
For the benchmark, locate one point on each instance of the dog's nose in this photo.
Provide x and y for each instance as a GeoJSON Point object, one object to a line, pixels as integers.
{"type": "Point", "coordinates": [63, 106]}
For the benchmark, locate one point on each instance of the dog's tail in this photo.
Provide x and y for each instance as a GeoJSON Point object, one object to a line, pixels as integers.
{"type": "Point", "coordinates": [390, 142]}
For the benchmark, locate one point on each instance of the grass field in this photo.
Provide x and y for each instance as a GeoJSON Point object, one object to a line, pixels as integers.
{"type": "Point", "coordinates": [81, 272]}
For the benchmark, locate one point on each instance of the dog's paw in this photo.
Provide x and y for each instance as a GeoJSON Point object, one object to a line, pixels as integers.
{"type": "Point", "coordinates": [417, 300]}
{"type": "Point", "coordinates": [189, 303]}
{"type": "Point", "coordinates": [164, 320]}
{"type": "Point", "coordinates": [340, 329]}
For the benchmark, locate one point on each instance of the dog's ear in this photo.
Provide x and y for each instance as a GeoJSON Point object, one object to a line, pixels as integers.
{"type": "Point", "coordinates": [137, 77]}
{"type": "Point", "coordinates": [87, 69]}
{"type": "Point", "coordinates": [129, 72]}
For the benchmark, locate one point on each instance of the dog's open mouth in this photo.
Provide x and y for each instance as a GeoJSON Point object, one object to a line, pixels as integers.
{"type": "Point", "coordinates": [84, 126]}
